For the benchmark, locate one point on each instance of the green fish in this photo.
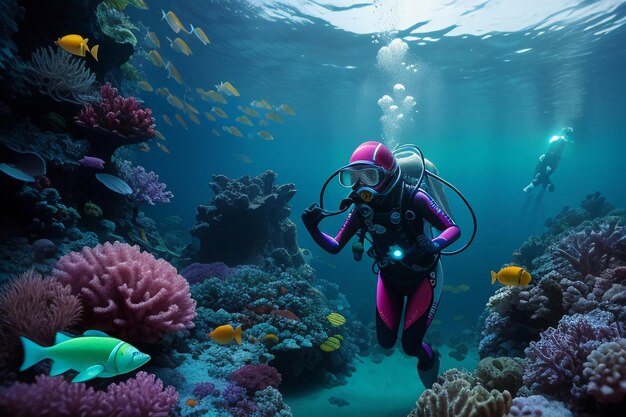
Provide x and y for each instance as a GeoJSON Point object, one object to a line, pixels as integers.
{"type": "Point", "coordinates": [95, 354]}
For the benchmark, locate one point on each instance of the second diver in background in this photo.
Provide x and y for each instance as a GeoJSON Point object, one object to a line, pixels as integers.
{"type": "Point", "coordinates": [549, 161]}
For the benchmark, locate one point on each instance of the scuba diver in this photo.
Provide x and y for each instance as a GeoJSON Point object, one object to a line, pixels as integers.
{"type": "Point", "coordinates": [549, 161]}
{"type": "Point", "coordinates": [393, 211]}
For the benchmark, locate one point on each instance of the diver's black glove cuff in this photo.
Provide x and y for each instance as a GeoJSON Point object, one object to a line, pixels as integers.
{"type": "Point", "coordinates": [426, 246]}
{"type": "Point", "coordinates": [313, 215]}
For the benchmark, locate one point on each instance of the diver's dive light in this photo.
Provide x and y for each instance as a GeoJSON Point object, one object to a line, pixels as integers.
{"type": "Point", "coordinates": [396, 253]}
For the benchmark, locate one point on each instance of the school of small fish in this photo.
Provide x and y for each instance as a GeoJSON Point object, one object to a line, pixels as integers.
{"type": "Point", "coordinates": [251, 122]}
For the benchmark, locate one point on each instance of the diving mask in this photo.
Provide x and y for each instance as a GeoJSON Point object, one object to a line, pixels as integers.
{"type": "Point", "coordinates": [368, 176]}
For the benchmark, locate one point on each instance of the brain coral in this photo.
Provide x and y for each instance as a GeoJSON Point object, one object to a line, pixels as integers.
{"type": "Point", "coordinates": [128, 292]}
{"type": "Point", "coordinates": [606, 370]}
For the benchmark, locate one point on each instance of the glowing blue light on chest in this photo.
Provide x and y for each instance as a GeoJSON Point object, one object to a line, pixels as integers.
{"type": "Point", "coordinates": [396, 252]}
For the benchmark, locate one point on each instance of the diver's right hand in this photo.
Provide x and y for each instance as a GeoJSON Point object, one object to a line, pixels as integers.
{"type": "Point", "coordinates": [313, 215]}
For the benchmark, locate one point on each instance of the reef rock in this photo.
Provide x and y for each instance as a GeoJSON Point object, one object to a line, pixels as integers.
{"type": "Point", "coordinates": [246, 221]}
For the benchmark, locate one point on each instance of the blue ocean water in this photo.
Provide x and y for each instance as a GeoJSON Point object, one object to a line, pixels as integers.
{"type": "Point", "coordinates": [479, 86]}
{"type": "Point", "coordinates": [491, 88]}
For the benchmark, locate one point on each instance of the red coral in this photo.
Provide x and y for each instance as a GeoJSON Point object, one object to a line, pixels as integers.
{"type": "Point", "coordinates": [256, 378]}
{"type": "Point", "coordinates": [128, 292]}
{"type": "Point", "coordinates": [122, 116]}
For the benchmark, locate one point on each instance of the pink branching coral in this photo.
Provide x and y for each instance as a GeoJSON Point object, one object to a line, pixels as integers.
{"type": "Point", "coordinates": [55, 397]}
{"type": "Point", "coordinates": [37, 308]}
{"type": "Point", "coordinates": [128, 292]}
{"type": "Point", "coordinates": [114, 113]}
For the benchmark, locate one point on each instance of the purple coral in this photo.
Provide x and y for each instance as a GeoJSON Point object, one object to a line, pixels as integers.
{"type": "Point", "coordinates": [198, 272]}
{"type": "Point", "coordinates": [118, 115]}
{"type": "Point", "coordinates": [128, 292]}
{"type": "Point", "coordinates": [236, 402]}
{"type": "Point", "coordinates": [557, 359]}
{"type": "Point", "coordinates": [53, 396]}
{"type": "Point", "coordinates": [256, 377]}
{"type": "Point", "coordinates": [537, 406]}
{"type": "Point", "coordinates": [145, 185]}
{"type": "Point", "coordinates": [590, 252]}
{"type": "Point", "coordinates": [204, 389]}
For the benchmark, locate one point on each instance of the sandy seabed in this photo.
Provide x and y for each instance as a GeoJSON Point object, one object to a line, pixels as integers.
{"type": "Point", "coordinates": [387, 389]}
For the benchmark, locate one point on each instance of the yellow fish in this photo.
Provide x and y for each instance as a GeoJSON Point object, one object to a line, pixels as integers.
{"type": "Point", "coordinates": [233, 131]}
{"type": "Point", "coordinates": [142, 235]}
{"type": "Point", "coordinates": [153, 39]}
{"type": "Point", "coordinates": [286, 108]}
{"type": "Point", "coordinates": [261, 104]}
{"type": "Point", "coordinates": [193, 118]}
{"type": "Point", "coordinates": [180, 120]}
{"type": "Point", "coordinates": [144, 147]}
{"type": "Point", "coordinates": [243, 158]}
{"type": "Point", "coordinates": [76, 45]}
{"type": "Point", "coordinates": [173, 21]}
{"type": "Point", "coordinates": [216, 97]}
{"type": "Point", "coordinates": [251, 112]}
{"type": "Point", "coordinates": [271, 337]}
{"type": "Point", "coordinates": [263, 123]}
{"type": "Point", "coordinates": [511, 276]}
{"type": "Point", "coordinates": [156, 58]}
{"type": "Point", "coordinates": [228, 89]}
{"type": "Point", "coordinates": [163, 147]}
{"type": "Point", "coordinates": [159, 135]}
{"type": "Point", "coordinates": [191, 108]}
{"type": "Point", "coordinates": [180, 45]}
{"type": "Point", "coordinates": [215, 132]}
{"type": "Point", "coordinates": [265, 135]}
{"type": "Point", "coordinates": [145, 86]}
{"type": "Point", "coordinates": [175, 101]}
{"type": "Point", "coordinates": [225, 334]}
{"type": "Point", "coordinates": [209, 117]}
{"type": "Point", "coordinates": [336, 319]}
{"type": "Point", "coordinates": [331, 344]}
{"type": "Point", "coordinates": [162, 91]}
{"type": "Point", "coordinates": [167, 120]}
{"type": "Point", "coordinates": [219, 112]}
{"type": "Point", "coordinates": [244, 120]}
{"type": "Point", "coordinates": [173, 72]}
{"type": "Point", "coordinates": [200, 35]}
{"type": "Point", "coordinates": [273, 116]}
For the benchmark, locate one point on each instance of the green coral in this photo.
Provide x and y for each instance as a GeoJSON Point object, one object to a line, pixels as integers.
{"type": "Point", "coordinates": [130, 72]}
{"type": "Point", "coordinates": [115, 24]}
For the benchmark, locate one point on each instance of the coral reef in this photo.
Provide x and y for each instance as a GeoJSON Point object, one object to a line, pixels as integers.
{"type": "Point", "coordinates": [577, 270]}
{"type": "Point", "coordinates": [605, 369]}
{"type": "Point", "coordinates": [500, 374]}
{"type": "Point", "coordinates": [54, 397]}
{"type": "Point", "coordinates": [537, 406]}
{"type": "Point", "coordinates": [127, 292]}
{"type": "Point", "coordinates": [556, 361]}
{"type": "Point", "coordinates": [256, 378]}
{"type": "Point", "coordinates": [116, 24]}
{"type": "Point", "coordinates": [146, 186]}
{"type": "Point", "coordinates": [246, 221]}
{"type": "Point", "coordinates": [456, 394]}
{"type": "Point", "coordinates": [115, 121]}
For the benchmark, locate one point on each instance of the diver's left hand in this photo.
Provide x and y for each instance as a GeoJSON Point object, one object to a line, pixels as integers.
{"type": "Point", "coordinates": [425, 245]}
